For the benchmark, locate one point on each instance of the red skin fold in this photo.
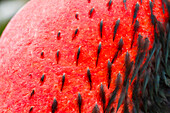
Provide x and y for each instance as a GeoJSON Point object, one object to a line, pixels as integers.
{"type": "Point", "coordinates": [35, 28]}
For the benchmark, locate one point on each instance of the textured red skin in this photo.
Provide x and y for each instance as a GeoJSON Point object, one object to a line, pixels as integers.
{"type": "Point", "coordinates": [34, 29]}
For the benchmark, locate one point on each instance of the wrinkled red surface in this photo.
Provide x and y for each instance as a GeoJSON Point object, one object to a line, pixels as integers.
{"type": "Point", "coordinates": [34, 29]}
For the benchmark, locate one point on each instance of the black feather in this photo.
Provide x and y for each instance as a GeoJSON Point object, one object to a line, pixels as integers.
{"type": "Point", "coordinates": [156, 83]}
{"type": "Point", "coordinates": [146, 80]}
{"type": "Point", "coordinates": [89, 77]}
{"type": "Point", "coordinates": [128, 68]}
{"type": "Point", "coordinates": [146, 44]}
{"type": "Point", "coordinates": [54, 106]}
{"type": "Point", "coordinates": [135, 12]}
{"type": "Point", "coordinates": [63, 80]}
{"type": "Point", "coordinates": [124, 1]}
{"type": "Point", "coordinates": [109, 4]}
{"type": "Point", "coordinates": [79, 102]}
{"type": "Point", "coordinates": [101, 28]}
{"type": "Point", "coordinates": [33, 92]}
{"type": "Point", "coordinates": [162, 94]}
{"type": "Point", "coordinates": [31, 109]}
{"type": "Point", "coordinates": [109, 66]}
{"type": "Point", "coordinates": [157, 100]}
{"type": "Point", "coordinates": [163, 8]}
{"type": "Point", "coordinates": [167, 48]}
{"type": "Point", "coordinates": [42, 54]}
{"type": "Point", "coordinates": [115, 28]}
{"type": "Point", "coordinates": [136, 27]}
{"type": "Point", "coordinates": [145, 104]}
{"type": "Point", "coordinates": [150, 87]}
{"type": "Point", "coordinates": [57, 55]}
{"type": "Point", "coordinates": [165, 79]}
{"type": "Point", "coordinates": [42, 78]}
{"type": "Point", "coordinates": [96, 109]}
{"type": "Point", "coordinates": [91, 12]}
{"type": "Point", "coordinates": [127, 59]}
{"type": "Point", "coordinates": [98, 52]}
{"type": "Point", "coordinates": [58, 35]}
{"type": "Point", "coordinates": [114, 93]}
{"type": "Point", "coordinates": [127, 73]}
{"type": "Point", "coordinates": [102, 96]}
{"type": "Point", "coordinates": [140, 42]}
{"type": "Point", "coordinates": [151, 9]}
{"type": "Point", "coordinates": [118, 80]}
{"type": "Point", "coordinates": [126, 108]}
{"type": "Point", "coordinates": [121, 99]}
{"type": "Point", "coordinates": [136, 69]}
{"type": "Point", "coordinates": [77, 14]}
{"type": "Point", "coordinates": [75, 33]}
{"type": "Point", "coordinates": [135, 96]}
{"type": "Point", "coordinates": [148, 59]}
{"type": "Point", "coordinates": [78, 54]}
{"type": "Point", "coordinates": [157, 58]}
{"type": "Point", "coordinates": [140, 45]}
{"type": "Point", "coordinates": [120, 45]}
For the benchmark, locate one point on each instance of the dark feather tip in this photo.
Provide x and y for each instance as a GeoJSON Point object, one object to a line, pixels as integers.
{"type": "Point", "coordinates": [136, 27]}
{"type": "Point", "coordinates": [127, 59]}
{"type": "Point", "coordinates": [91, 12]}
{"type": "Point", "coordinates": [163, 8]}
{"type": "Point", "coordinates": [118, 79]}
{"type": "Point", "coordinates": [57, 55]}
{"type": "Point", "coordinates": [79, 100]}
{"type": "Point", "coordinates": [146, 80]}
{"type": "Point", "coordinates": [76, 16]}
{"type": "Point", "coordinates": [96, 109]}
{"type": "Point", "coordinates": [42, 54]}
{"type": "Point", "coordinates": [75, 33]}
{"type": "Point", "coordinates": [98, 52]}
{"type": "Point", "coordinates": [120, 44]}
{"type": "Point", "coordinates": [109, 4]}
{"type": "Point", "coordinates": [33, 92]}
{"type": "Point", "coordinates": [31, 109]}
{"type": "Point", "coordinates": [89, 77]}
{"type": "Point", "coordinates": [109, 66]}
{"type": "Point", "coordinates": [99, 48]}
{"type": "Point", "coordinates": [58, 35]}
{"type": "Point", "coordinates": [102, 96]}
{"type": "Point", "coordinates": [135, 12]}
{"type": "Point", "coordinates": [121, 99]}
{"type": "Point", "coordinates": [114, 93]}
{"type": "Point", "coordinates": [140, 41]}
{"type": "Point", "coordinates": [42, 78]}
{"type": "Point", "coordinates": [54, 105]}
{"type": "Point", "coordinates": [101, 28]}
{"type": "Point", "coordinates": [127, 73]}
{"type": "Point", "coordinates": [146, 44]}
{"type": "Point", "coordinates": [126, 108]}
{"type": "Point", "coordinates": [78, 53]}
{"type": "Point", "coordinates": [124, 2]}
{"type": "Point", "coordinates": [115, 28]}
{"type": "Point", "coordinates": [63, 80]}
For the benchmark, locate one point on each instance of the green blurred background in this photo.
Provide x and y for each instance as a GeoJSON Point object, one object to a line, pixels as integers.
{"type": "Point", "coordinates": [8, 9]}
